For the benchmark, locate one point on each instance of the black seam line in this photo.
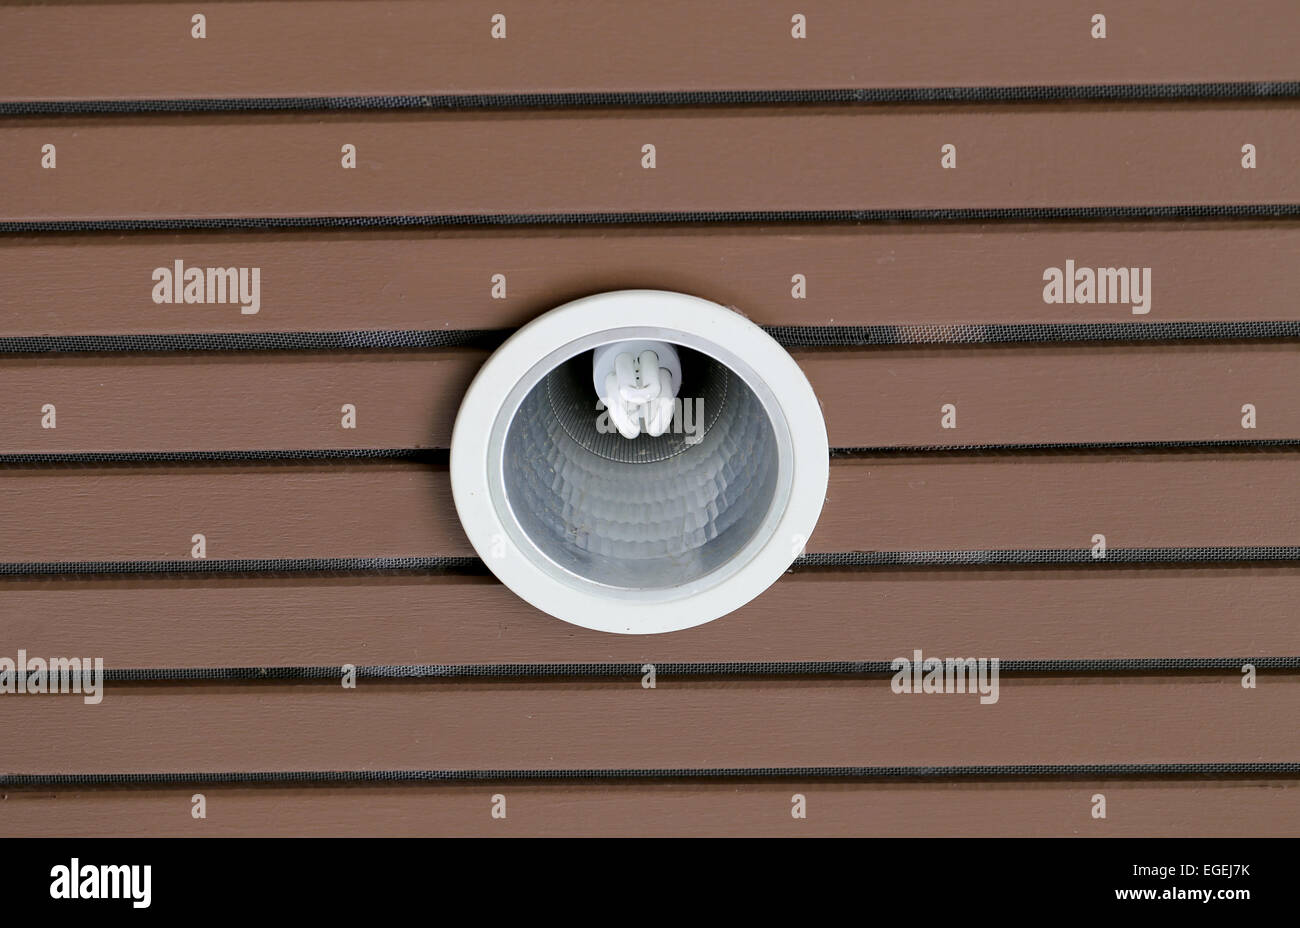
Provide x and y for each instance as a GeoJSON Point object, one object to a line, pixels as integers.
{"type": "Point", "coordinates": [992, 558]}
{"type": "Point", "coordinates": [672, 669]}
{"type": "Point", "coordinates": [1028, 332]}
{"type": "Point", "coordinates": [1027, 93]}
{"type": "Point", "coordinates": [788, 336]}
{"type": "Point", "coordinates": [440, 456]}
{"type": "Point", "coordinates": [263, 341]}
{"type": "Point", "coordinates": [1017, 213]}
{"type": "Point", "coordinates": [1214, 770]}
{"type": "Point", "coordinates": [1048, 557]}
{"type": "Point", "coordinates": [437, 456]}
{"type": "Point", "coordinates": [1064, 447]}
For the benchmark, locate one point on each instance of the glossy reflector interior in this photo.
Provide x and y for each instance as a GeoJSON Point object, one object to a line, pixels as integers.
{"type": "Point", "coordinates": [643, 513]}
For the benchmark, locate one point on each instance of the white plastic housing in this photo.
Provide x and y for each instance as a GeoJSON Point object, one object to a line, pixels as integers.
{"type": "Point", "coordinates": [499, 530]}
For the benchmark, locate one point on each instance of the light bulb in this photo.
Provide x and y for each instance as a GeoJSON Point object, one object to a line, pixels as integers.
{"type": "Point", "coordinates": [637, 381]}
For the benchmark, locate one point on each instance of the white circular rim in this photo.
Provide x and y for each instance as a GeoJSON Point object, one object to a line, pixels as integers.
{"type": "Point", "coordinates": [496, 381]}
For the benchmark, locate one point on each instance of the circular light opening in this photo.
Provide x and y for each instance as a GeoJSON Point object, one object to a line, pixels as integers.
{"type": "Point", "coordinates": [651, 533]}
{"type": "Point", "coordinates": [647, 513]}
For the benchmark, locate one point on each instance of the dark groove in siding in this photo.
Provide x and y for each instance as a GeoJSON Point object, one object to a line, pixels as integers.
{"type": "Point", "coordinates": [788, 336]}
{"type": "Point", "coordinates": [1011, 214]}
{"type": "Point", "coordinates": [670, 669]}
{"type": "Point", "coordinates": [1065, 447]}
{"type": "Point", "coordinates": [1280, 770]}
{"type": "Point", "coordinates": [223, 567]}
{"type": "Point", "coordinates": [260, 341]}
{"type": "Point", "coordinates": [1245, 554]}
{"type": "Point", "coordinates": [1031, 93]}
{"type": "Point", "coordinates": [440, 456]}
{"type": "Point", "coordinates": [1052, 556]}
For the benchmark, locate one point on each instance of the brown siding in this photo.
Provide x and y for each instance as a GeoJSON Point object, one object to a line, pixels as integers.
{"type": "Point", "coordinates": [159, 728]}
{"type": "Point", "coordinates": [291, 401]}
{"type": "Point", "coordinates": [1048, 809]}
{"type": "Point", "coordinates": [282, 48]}
{"type": "Point", "coordinates": [1074, 614]}
{"type": "Point", "coordinates": [357, 509]}
{"type": "Point", "coordinates": [768, 159]}
{"type": "Point", "coordinates": [228, 665]}
{"type": "Point", "coordinates": [915, 275]}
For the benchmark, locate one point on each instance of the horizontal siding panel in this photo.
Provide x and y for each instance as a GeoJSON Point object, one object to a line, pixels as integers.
{"type": "Point", "coordinates": [880, 398]}
{"type": "Point", "coordinates": [770, 159]}
{"type": "Point", "coordinates": [618, 725]}
{"type": "Point", "coordinates": [402, 47]}
{"type": "Point", "coordinates": [886, 504]}
{"type": "Point", "coordinates": [807, 616]}
{"type": "Point", "coordinates": [855, 275]}
{"type": "Point", "coordinates": [256, 511]}
{"type": "Point", "coordinates": [181, 402]}
{"type": "Point", "coordinates": [1135, 809]}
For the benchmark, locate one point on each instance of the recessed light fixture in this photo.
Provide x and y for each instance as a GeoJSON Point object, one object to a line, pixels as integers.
{"type": "Point", "coordinates": [639, 461]}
